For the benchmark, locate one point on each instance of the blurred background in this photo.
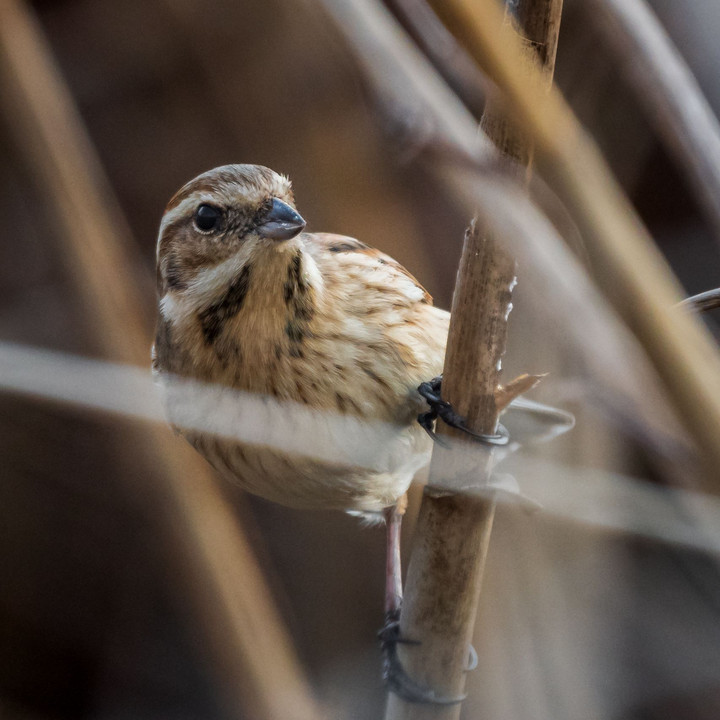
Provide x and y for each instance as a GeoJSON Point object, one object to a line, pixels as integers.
{"type": "Point", "coordinates": [576, 620]}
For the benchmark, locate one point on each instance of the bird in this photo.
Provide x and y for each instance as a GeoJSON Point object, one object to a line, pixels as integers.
{"type": "Point", "coordinates": [251, 302]}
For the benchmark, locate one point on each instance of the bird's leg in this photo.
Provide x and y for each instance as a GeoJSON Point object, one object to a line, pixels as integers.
{"type": "Point", "coordinates": [396, 678]}
{"type": "Point", "coordinates": [443, 410]}
{"type": "Point", "coordinates": [393, 569]}
{"type": "Point", "coordinates": [390, 634]}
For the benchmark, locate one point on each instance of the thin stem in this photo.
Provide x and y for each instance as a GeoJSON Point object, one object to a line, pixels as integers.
{"type": "Point", "coordinates": [444, 51]}
{"type": "Point", "coordinates": [675, 105]}
{"type": "Point", "coordinates": [704, 301]}
{"type": "Point", "coordinates": [453, 531]}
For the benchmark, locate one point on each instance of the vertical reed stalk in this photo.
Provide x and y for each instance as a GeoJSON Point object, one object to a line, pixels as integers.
{"type": "Point", "coordinates": [453, 531]}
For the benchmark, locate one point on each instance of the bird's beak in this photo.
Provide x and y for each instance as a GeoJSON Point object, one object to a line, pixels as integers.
{"type": "Point", "coordinates": [281, 222]}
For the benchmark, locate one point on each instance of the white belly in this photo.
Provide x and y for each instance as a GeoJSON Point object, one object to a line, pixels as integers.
{"type": "Point", "coordinates": [296, 456]}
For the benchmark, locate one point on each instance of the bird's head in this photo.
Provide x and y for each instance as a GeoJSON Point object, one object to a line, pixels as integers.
{"type": "Point", "coordinates": [233, 211]}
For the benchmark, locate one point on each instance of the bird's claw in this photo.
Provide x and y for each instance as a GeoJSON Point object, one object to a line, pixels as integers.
{"type": "Point", "coordinates": [443, 410]}
{"type": "Point", "coordinates": [427, 423]}
{"type": "Point", "coordinates": [395, 675]}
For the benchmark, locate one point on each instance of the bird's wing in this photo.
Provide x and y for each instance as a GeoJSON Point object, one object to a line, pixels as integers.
{"type": "Point", "coordinates": [350, 251]}
{"type": "Point", "coordinates": [375, 304]}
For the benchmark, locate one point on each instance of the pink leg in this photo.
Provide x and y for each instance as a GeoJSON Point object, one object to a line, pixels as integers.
{"type": "Point", "coordinates": [393, 570]}
{"type": "Point", "coordinates": [397, 680]}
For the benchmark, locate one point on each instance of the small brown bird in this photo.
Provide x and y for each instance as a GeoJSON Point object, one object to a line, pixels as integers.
{"type": "Point", "coordinates": [250, 301]}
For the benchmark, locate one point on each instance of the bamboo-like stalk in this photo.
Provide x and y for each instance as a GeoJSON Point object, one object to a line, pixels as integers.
{"type": "Point", "coordinates": [453, 531]}
{"type": "Point", "coordinates": [628, 266]}
{"type": "Point", "coordinates": [675, 105]}
{"type": "Point", "coordinates": [257, 672]}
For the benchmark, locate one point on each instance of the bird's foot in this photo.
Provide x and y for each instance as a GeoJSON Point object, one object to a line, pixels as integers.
{"type": "Point", "coordinates": [395, 675]}
{"type": "Point", "coordinates": [443, 410]}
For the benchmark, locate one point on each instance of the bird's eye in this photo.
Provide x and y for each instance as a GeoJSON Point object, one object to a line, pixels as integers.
{"type": "Point", "coordinates": [207, 218]}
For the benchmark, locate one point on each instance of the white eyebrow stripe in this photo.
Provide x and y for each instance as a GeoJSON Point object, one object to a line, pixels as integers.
{"type": "Point", "coordinates": [187, 207]}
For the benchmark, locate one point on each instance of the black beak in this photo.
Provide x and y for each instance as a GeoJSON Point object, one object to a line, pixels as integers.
{"type": "Point", "coordinates": [281, 222]}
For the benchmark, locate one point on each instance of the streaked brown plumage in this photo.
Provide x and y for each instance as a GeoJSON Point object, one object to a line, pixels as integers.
{"type": "Point", "coordinates": [249, 301]}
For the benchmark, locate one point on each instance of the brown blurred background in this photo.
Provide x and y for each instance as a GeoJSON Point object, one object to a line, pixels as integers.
{"type": "Point", "coordinates": [575, 622]}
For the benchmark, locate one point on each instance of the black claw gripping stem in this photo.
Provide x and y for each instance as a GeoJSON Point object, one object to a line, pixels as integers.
{"type": "Point", "coordinates": [443, 410]}
{"type": "Point", "coordinates": [394, 674]}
